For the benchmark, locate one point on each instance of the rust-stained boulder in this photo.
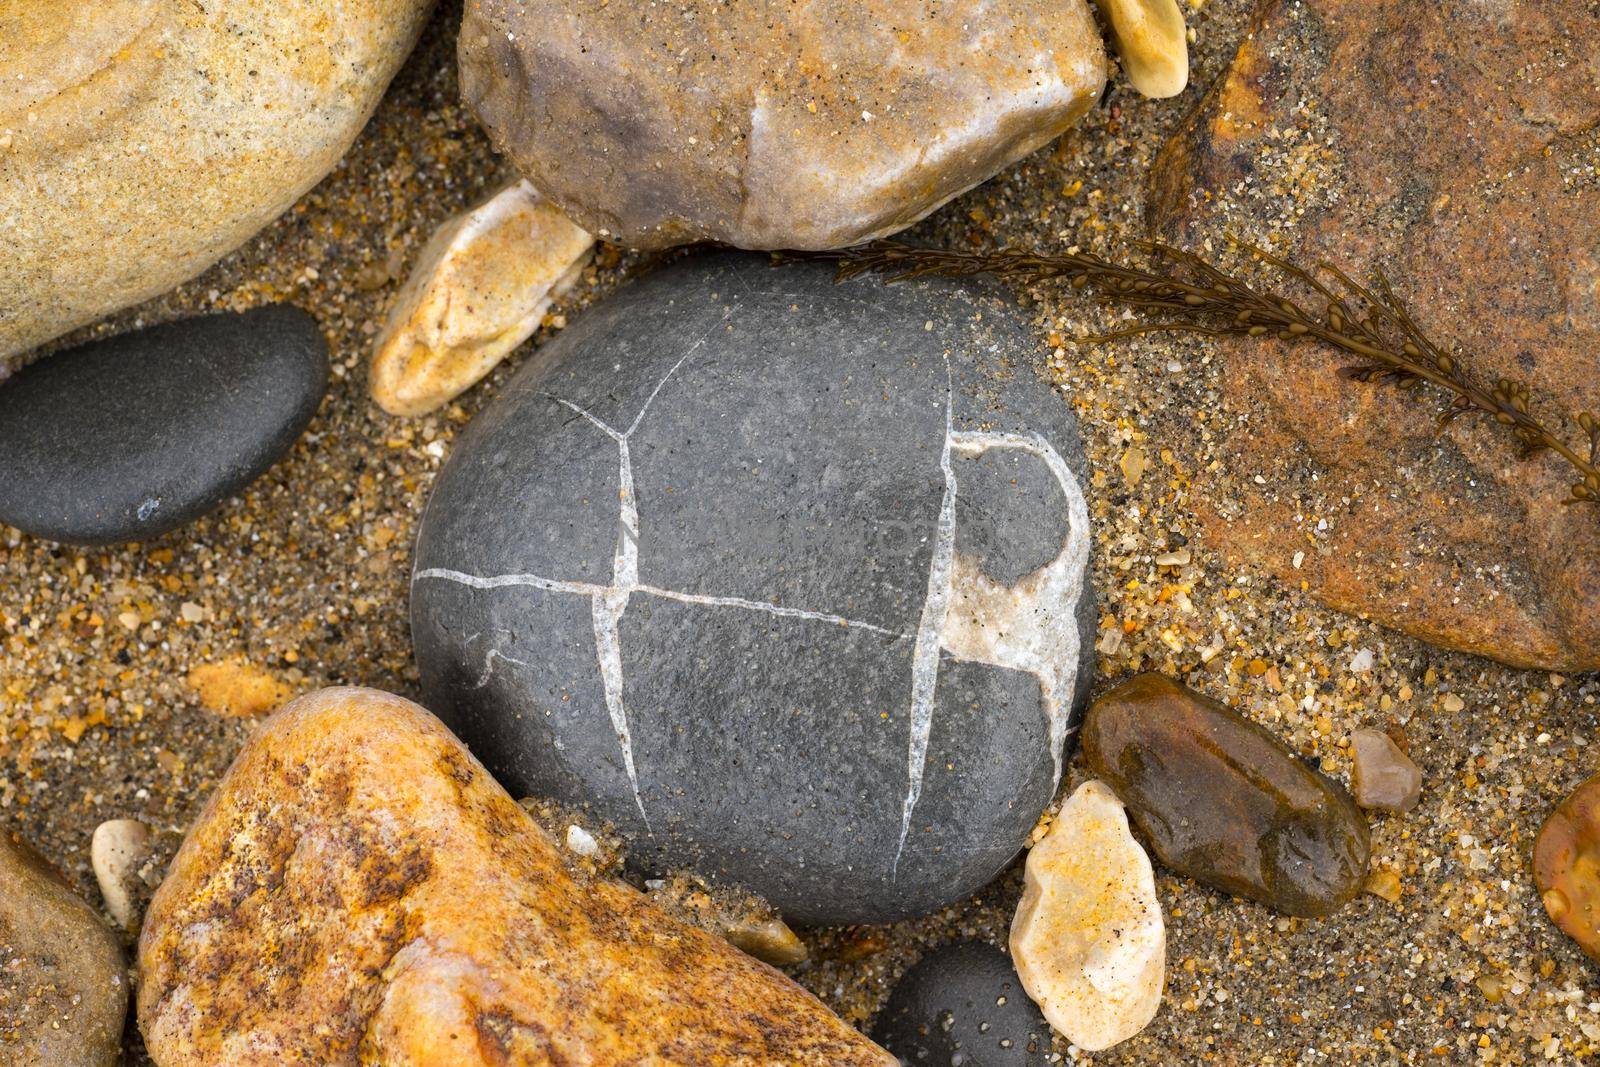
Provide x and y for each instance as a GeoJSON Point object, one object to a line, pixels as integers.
{"type": "Point", "coordinates": [360, 890]}
{"type": "Point", "coordinates": [1454, 145]}
{"type": "Point", "coordinates": [810, 125]}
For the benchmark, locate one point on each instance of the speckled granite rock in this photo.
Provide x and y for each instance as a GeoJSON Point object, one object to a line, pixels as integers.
{"type": "Point", "coordinates": [141, 140]}
{"type": "Point", "coordinates": [136, 435]}
{"type": "Point", "coordinates": [785, 579]}
{"type": "Point", "coordinates": [1221, 800]}
{"type": "Point", "coordinates": [1453, 145]}
{"type": "Point", "coordinates": [63, 984]}
{"type": "Point", "coordinates": [414, 914]}
{"type": "Point", "coordinates": [963, 1004]}
{"type": "Point", "coordinates": [809, 125]}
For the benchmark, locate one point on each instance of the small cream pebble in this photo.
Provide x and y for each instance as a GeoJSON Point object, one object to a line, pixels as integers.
{"type": "Point", "coordinates": [1088, 939]}
{"type": "Point", "coordinates": [1152, 42]}
{"type": "Point", "coordinates": [116, 851]}
{"type": "Point", "coordinates": [582, 841]}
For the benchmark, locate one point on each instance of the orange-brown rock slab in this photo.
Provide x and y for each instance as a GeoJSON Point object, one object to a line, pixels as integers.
{"type": "Point", "coordinates": [360, 890]}
{"type": "Point", "coordinates": [1453, 145]}
{"type": "Point", "coordinates": [1566, 866]}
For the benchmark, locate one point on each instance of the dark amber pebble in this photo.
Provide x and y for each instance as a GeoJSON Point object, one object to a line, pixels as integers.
{"type": "Point", "coordinates": [1221, 800]}
{"type": "Point", "coordinates": [1566, 866]}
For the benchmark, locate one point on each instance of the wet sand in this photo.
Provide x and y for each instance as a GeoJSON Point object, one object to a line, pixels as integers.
{"type": "Point", "coordinates": [304, 575]}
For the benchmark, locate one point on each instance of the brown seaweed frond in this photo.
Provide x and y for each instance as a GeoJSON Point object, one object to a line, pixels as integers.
{"type": "Point", "coordinates": [1180, 292]}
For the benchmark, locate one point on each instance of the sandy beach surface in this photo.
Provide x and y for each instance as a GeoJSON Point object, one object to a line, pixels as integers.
{"type": "Point", "coordinates": [304, 577]}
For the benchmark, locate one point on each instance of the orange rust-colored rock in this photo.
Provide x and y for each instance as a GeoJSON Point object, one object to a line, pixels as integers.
{"type": "Point", "coordinates": [1566, 866]}
{"type": "Point", "coordinates": [360, 890]}
{"type": "Point", "coordinates": [1453, 145]}
{"type": "Point", "coordinates": [235, 688]}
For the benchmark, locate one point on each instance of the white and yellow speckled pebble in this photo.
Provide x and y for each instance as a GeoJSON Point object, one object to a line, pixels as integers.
{"type": "Point", "coordinates": [1088, 939]}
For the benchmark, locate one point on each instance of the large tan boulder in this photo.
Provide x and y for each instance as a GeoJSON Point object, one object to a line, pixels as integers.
{"type": "Point", "coordinates": [142, 140]}
{"type": "Point", "coordinates": [360, 890]}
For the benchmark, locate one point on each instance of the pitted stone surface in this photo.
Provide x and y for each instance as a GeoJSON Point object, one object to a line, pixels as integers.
{"type": "Point", "coordinates": [707, 568]}
{"type": "Point", "coordinates": [963, 1004]}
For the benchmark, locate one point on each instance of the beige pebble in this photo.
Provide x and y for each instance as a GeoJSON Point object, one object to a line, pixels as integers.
{"type": "Point", "coordinates": [116, 851]}
{"type": "Point", "coordinates": [1385, 883]}
{"type": "Point", "coordinates": [1153, 44]}
{"type": "Point", "coordinates": [1382, 776]}
{"type": "Point", "coordinates": [1088, 939]}
{"type": "Point", "coordinates": [768, 940]}
{"type": "Point", "coordinates": [479, 289]}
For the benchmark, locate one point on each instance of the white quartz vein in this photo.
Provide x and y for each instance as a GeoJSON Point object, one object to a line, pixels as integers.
{"type": "Point", "coordinates": [488, 666]}
{"type": "Point", "coordinates": [1029, 627]}
{"type": "Point", "coordinates": [925, 656]}
{"type": "Point", "coordinates": [1032, 626]}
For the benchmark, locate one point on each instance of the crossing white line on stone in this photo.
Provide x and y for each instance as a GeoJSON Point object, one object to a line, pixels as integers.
{"type": "Point", "coordinates": [504, 581]}
{"type": "Point", "coordinates": [766, 606]}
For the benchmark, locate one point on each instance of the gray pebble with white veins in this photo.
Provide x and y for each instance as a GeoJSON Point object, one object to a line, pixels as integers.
{"type": "Point", "coordinates": [786, 579]}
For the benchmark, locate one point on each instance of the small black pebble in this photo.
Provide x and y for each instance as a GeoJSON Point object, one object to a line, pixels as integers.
{"type": "Point", "coordinates": [963, 1006]}
{"type": "Point", "coordinates": [127, 438]}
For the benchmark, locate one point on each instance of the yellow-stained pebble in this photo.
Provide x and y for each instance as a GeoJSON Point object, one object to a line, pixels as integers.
{"type": "Point", "coordinates": [1088, 939]}
{"type": "Point", "coordinates": [1152, 42]}
{"type": "Point", "coordinates": [479, 289]}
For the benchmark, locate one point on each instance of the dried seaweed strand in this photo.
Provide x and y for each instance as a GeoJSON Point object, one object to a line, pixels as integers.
{"type": "Point", "coordinates": [1184, 293]}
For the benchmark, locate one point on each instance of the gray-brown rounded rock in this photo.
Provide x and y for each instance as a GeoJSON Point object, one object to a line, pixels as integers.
{"type": "Point", "coordinates": [763, 125]}
{"type": "Point", "coordinates": [63, 984]}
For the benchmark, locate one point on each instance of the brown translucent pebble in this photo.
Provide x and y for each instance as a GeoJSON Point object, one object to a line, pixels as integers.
{"type": "Point", "coordinates": [1221, 800]}
{"type": "Point", "coordinates": [360, 890]}
{"type": "Point", "coordinates": [1383, 778]}
{"type": "Point", "coordinates": [1566, 866]}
